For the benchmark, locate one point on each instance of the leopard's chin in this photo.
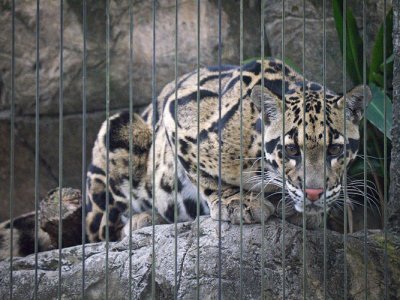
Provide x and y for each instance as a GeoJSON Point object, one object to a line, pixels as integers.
{"type": "Point", "coordinates": [311, 209]}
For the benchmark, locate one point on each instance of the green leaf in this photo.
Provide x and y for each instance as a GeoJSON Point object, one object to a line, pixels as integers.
{"type": "Point", "coordinates": [287, 61]}
{"type": "Point", "coordinates": [389, 60]}
{"type": "Point", "coordinates": [389, 67]}
{"type": "Point", "coordinates": [375, 110]}
{"type": "Point", "coordinates": [357, 167]}
{"type": "Point", "coordinates": [377, 79]}
{"type": "Point", "coordinates": [377, 50]}
{"type": "Point", "coordinates": [354, 42]}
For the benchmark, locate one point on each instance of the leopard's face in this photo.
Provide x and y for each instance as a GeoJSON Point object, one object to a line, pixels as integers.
{"type": "Point", "coordinates": [284, 149]}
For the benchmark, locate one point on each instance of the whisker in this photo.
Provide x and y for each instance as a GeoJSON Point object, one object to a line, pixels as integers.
{"type": "Point", "coordinates": [369, 156]}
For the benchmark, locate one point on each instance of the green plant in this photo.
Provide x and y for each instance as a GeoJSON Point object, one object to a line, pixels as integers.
{"type": "Point", "coordinates": [375, 80]}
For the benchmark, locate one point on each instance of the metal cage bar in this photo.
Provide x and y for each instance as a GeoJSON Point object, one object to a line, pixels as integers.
{"type": "Point", "coordinates": [12, 146]}
{"type": "Point", "coordinates": [385, 178]}
{"type": "Point", "coordinates": [84, 13]}
{"type": "Point", "coordinates": [37, 120]}
{"type": "Point", "coordinates": [365, 150]}
{"type": "Point", "coordinates": [107, 142]}
{"type": "Point", "coordinates": [283, 155]}
{"type": "Point", "coordinates": [60, 149]}
{"type": "Point", "coordinates": [198, 159]}
{"type": "Point", "coordinates": [324, 146]}
{"type": "Point", "coordinates": [176, 158]}
{"type": "Point", "coordinates": [304, 156]}
{"type": "Point", "coordinates": [154, 105]}
{"type": "Point", "coordinates": [130, 140]}
{"type": "Point", "coordinates": [241, 147]}
{"type": "Point", "coordinates": [262, 150]}
{"type": "Point", "coordinates": [219, 152]}
{"type": "Point", "coordinates": [344, 151]}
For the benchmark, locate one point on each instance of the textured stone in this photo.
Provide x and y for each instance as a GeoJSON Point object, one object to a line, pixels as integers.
{"type": "Point", "coordinates": [186, 265]}
{"type": "Point", "coordinates": [24, 180]}
{"type": "Point", "coordinates": [394, 200]}
{"type": "Point", "coordinates": [25, 46]}
{"type": "Point", "coordinates": [25, 66]}
{"type": "Point", "coordinates": [49, 216]}
{"type": "Point", "coordinates": [48, 225]}
{"type": "Point", "coordinates": [314, 35]}
{"type": "Point", "coordinates": [48, 157]}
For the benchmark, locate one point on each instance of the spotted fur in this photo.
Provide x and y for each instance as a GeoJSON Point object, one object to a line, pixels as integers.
{"type": "Point", "coordinates": [183, 142]}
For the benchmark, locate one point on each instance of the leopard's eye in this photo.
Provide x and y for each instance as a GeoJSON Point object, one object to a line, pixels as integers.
{"type": "Point", "coordinates": [335, 149]}
{"type": "Point", "coordinates": [292, 150]}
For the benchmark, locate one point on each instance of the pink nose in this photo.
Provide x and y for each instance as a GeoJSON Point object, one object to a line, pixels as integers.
{"type": "Point", "coordinates": [313, 194]}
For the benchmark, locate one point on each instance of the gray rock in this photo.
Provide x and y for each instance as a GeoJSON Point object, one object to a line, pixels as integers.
{"type": "Point", "coordinates": [25, 87]}
{"type": "Point", "coordinates": [118, 275]}
{"type": "Point", "coordinates": [48, 157]}
{"type": "Point", "coordinates": [314, 36]}
{"type": "Point", "coordinates": [25, 48]}
{"type": "Point", "coordinates": [394, 201]}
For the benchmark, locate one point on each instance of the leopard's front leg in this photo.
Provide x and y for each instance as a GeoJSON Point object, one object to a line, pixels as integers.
{"type": "Point", "coordinates": [251, 211]}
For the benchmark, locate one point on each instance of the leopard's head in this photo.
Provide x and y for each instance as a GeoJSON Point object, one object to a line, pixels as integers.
{"type": "Point", "coordinates": [285, 142]}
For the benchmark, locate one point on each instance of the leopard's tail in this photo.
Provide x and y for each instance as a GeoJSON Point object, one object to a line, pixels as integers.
{"type": "Point", "coordinates": [23, 239]}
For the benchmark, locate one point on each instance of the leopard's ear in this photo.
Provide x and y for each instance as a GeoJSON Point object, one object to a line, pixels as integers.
{"type": "Point", "coordinates": [272, 105]}
{"type": "Point", "coordinates": [355, 102]}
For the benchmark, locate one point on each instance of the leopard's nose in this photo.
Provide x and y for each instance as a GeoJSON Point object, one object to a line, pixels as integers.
{"type": "Point", "coordinates": [313, 194]}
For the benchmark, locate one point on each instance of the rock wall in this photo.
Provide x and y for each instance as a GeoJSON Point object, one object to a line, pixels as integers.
{"type": "Point", "coordinates": [186, 265]}
{"type": "Point", "coordinates": [25, 66]}
{"type": "Point", "coordinates": [394, 201]}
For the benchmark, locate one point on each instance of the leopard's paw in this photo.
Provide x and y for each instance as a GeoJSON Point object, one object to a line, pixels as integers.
{"type": "Point", "coordinates": [249, 212]}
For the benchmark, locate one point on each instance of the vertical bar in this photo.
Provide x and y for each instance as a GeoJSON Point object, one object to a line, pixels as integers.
{"type": "Point", "coordinates": [176, 157]}
{"type": "Point", "coordinates": [365, 149]}
{"type": "Point", "coordinates": [130, 140]}
{"type": "Point", "coordinates": [283, 154]}
{"type": "Point", "coordinates": [154, 104]}
{"type": "Point", "coordinates": [385, 178]}
{"type": "Point", "coordinates": [241, 148]}
{"type": "Point", "coordinates": [219, 154]}
{"type": "Point", "coordinates": [12, 146]}
{"type": "Point", "coordinates": [37, 119]}
{"type": "Point", "coordinates": [60, 148]}
{"type": "Point", "coordinates": [324, 146]}
{"type": "Point", "coordinates": [262, 151]}
{"type": "Point", "coordinates": [198, 158]}
{"type": "Point", "coordinates": [304, 156]}
{"type": "Point", "coordinates": [107, 135]}
{"type": "Point", "coordinates": [83, 150]}
{"type": "Point", "coordinates": [344, 151]}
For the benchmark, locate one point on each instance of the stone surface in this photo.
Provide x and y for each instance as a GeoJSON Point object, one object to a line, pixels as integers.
{"type": "Point", "coordinates": [186, 261]}
{"type": "Point", "coordinates": [25, 46]}
{"type": "Point", "coordinates": [49, 216]}
{"type": "Point", "coordinates": [394, 200]}
{"type": "Point", "coordinates": [24, 174]}
{"type": "Point", "coordinates": [25, 66]}
{"type": "Point", "coordinates": [48, 157]}
{"type": "Point", "coordinates": [48, 225]}
{"type": "Point", "coordinates": [314, 35]}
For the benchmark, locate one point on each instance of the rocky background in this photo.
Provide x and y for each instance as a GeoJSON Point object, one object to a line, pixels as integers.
{"type": "Point", "coordinates": [394, 203]}
{"type": "Point", "coordinates": [25, 66]}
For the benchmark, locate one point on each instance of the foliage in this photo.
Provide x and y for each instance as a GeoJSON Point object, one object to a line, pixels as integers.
{"type": "Point", "coordinates": [378, 84]}
{"type": "Point", "coordinates": [374, 72]}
